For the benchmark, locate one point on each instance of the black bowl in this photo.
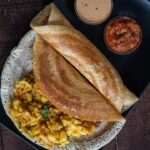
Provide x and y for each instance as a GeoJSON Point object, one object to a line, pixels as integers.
{"type": "Point", "coordinates": [128, 51]}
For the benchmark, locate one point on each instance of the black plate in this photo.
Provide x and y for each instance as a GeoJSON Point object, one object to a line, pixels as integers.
{"type": "Point", "coordinates": [133, 68]}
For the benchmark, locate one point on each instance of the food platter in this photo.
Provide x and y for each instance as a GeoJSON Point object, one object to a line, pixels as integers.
{"type": "Point", "coordinates": [131, 67]}
{"type": "Point", "coordinates": [17, 65]}
{"type": "Point", "coordinates": [21, 59]}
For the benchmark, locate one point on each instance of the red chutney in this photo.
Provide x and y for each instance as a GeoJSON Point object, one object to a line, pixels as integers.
{"type": "Point", "coordinates": [123, 35]}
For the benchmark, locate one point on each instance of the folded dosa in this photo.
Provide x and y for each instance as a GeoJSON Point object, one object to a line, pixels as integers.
{"type": "Point", "coordinates": [53, 27]}
{"type": "Point", "coordinates": [67, 89]}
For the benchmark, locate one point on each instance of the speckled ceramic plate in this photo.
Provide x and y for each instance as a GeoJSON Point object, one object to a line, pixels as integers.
{"type": "Point", "coordinates": [18, 64]}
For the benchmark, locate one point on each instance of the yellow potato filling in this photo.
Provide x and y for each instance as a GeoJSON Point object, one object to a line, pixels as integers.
{"type": "Point", "coordinates": [35, 116]}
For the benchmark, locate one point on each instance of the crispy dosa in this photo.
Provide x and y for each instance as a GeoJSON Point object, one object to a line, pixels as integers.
{"type": "Point", "coordinates": [53, 27]}
{"type": "Point", "coordinates": [67, 89]}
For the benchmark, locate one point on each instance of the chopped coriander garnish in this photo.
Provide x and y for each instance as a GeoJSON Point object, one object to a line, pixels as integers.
{"type": "Point", "coordinates": [45, 112]}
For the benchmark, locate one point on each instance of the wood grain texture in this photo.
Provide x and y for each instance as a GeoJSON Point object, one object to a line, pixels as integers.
{"type": "Point", "coordinates": [10, 141]}
{"type": "Point", "coordinates": [15, 16]}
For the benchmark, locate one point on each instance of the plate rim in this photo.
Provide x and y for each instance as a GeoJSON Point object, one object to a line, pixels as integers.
{"type": "Point", "coordinates": [110, 134]}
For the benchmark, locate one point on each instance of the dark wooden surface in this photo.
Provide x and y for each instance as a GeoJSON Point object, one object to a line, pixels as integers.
{"type": "Point", "coordinates": [15, 16]}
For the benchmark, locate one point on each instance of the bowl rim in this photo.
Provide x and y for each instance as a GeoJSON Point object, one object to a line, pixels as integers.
{"type": "Point", "coordinates": [127, 52]}
{"type": "Point", "coordinates": [93, 23]}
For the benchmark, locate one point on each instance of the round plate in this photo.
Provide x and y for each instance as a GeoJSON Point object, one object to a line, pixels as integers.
{"type": "Point", "coordinates": [18, 64]}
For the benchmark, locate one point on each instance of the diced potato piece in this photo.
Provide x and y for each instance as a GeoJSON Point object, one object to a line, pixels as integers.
{"type": "Point", "coordinates": [14, 113]}
{"type": "Point", "coordinates": [38, 95]}
{"type": "Point", "coordinates": [35, 130]}
{"type": "Point", "coordinates": [44, 129]}
{"type": "Point", "coordinates": [27, 96]}
{"type": "Point", "coordinates": [63, 137]}
{"type": "Point", "coordinates": [56, 126]}
{"type": "Point", "coordinates": [77, 122]}
{"type": "Point", "coordinates": [43, 139]}
{"type": "Point", "coordinates": [53, 137]}
{"type": "Point", "coordinates": [22, 87]}
{"type": "Point", "coordinates": [66, 121]}
{"type": "Point", "coordinates": [16, 103]}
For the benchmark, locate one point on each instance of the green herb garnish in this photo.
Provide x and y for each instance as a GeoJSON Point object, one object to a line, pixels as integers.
{"type": "Point", "coordinates": [45, 112]}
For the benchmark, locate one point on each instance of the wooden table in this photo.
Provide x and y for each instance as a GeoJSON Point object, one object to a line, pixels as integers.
{"type": "Point", "coordinates": [15, 16]}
